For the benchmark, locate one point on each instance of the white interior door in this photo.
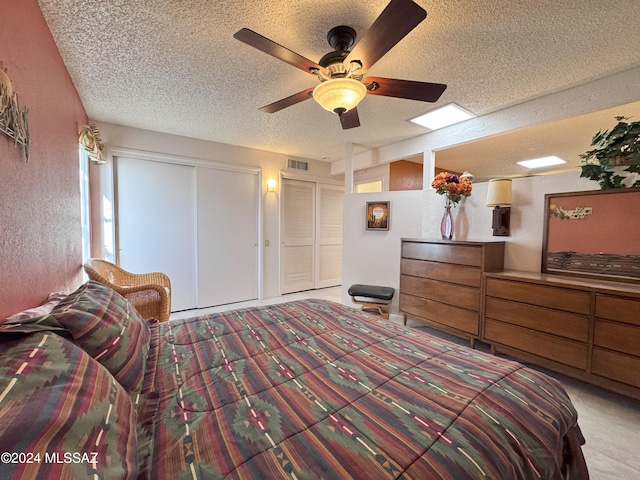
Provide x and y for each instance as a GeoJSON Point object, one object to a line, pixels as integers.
{"type": "Point", "coordinates": [156, 223]}
{"type": "Point", "coordinates": [329, 236]}
{"type": "Point", "coordinates": [298, 233]}
{"type": "Point", "coordinates": [228, 206]}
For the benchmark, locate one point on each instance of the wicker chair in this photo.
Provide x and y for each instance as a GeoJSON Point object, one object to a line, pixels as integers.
{"type": "Point", "coordinates": [149, 293]}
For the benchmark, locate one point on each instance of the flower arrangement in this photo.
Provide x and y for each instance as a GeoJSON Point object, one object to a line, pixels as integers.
{"type": "Point", "coordinates": [452, 186]}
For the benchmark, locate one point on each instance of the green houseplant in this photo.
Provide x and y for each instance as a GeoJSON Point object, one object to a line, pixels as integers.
{"type": "Point", "coordinates": [618, 147]}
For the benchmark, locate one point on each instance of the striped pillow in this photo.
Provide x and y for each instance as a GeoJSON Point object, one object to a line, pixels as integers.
{"type": "Point", "coordinates": [105, 325]}
{"type": "Point", "coordinates": [62, 415]}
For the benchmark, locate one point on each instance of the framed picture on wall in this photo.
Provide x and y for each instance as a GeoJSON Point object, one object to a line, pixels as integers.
{"type": "Point", "coordinates": [593, 234]}
{"type": "Point", "coordinates": [377, 216]}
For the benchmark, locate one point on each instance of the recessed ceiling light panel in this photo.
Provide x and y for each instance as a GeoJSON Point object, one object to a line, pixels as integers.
{"type": "Point", "coordinates": [542, 162]}
{"type": "Point", "coordinates": [443, 117]}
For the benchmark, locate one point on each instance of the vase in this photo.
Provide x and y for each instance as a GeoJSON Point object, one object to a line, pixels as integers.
{"type": "Point", "coordinates": [446, 225]}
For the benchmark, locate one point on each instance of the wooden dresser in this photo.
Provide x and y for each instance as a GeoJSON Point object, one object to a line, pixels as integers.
{"type": "Point", "coordinates": [587, 329]}
{"type": "Point", "coordinates": [441, 283]}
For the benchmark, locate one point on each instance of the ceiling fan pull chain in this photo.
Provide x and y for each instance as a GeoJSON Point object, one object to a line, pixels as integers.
{"type": "Point", "coordinates": [354, 66]}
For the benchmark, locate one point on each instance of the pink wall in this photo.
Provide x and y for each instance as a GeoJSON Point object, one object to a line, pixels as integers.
{"type": "Point", "coordinates": [40, 236]}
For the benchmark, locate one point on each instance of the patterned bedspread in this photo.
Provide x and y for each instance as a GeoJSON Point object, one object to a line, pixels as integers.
{"type": "Point", "coordinates": [313, 389]}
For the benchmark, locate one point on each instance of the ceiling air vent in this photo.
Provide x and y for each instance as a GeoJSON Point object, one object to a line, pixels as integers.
{"type": "Point", "coordinates": [297, 164]}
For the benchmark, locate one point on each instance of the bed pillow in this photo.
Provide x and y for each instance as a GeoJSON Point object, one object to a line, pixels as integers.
{"type": "Point", "coordinates": [62, 414]}
{"type": "Point", "coordinates": [106, 326]}
{"type": "Point", "coordinates": [40, 310]}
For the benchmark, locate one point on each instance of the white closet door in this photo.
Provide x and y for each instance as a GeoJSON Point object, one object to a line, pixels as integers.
{"type": "Point", "coordinates": [156, 223]}
{"type": "Point", "coordinates": [227, 236]}
{"type": "Point", "coordinates": [329, 236]}
{"type": "Point", "coordinates": [298, 232]}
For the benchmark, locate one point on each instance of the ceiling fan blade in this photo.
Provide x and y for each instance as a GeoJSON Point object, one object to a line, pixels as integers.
{"type": "Point", "coordinates": [287, 102]}
{"type": "Point", "coordinates": [412, 90]}
{"type": "Point", "coordinates": [350, 119]}
{"type": "Point", "coordinates": [393, 24]}
{"type": "Point", "coordinates": [265, 45]}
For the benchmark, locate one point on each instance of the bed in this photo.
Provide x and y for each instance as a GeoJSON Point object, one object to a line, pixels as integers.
{"type": "Point", "coordinates": [302, 390]}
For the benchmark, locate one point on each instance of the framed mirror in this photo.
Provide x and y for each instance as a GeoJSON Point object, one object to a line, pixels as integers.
{"type": "Point", "coordinates": [594, 234]}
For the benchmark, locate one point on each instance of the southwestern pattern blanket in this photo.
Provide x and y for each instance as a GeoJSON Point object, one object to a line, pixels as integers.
{"type": "Point", "coordinates": [301, 390]}
{"type": "Point", "coordinates": [313, 389]}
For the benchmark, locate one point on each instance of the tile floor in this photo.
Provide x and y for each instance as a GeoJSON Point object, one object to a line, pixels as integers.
{"type": "Point", "coordinates": [609, 422]}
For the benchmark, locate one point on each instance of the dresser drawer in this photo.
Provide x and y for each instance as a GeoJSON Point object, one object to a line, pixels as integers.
{"type": "Point", "coordinates": [458, 318]}
{"type": "Point", "coordinates": [447, 272]}
{"type": "Point", "coordinates": [625, 310]}
{"type": "Point", "coordinates": [555, 322]}
{"type": "Point", "coordinates": [575, 301]}
{"type": "Point", "coordinates": [456, 295]}
{"type": "Point", "coordinates": [617, 366]}
{"type": "Point", "coordinates": [443, 252]}
{"type": "Point", "coordinates": [555, 348]}
{"type": "Point", "coordinates": [617, 336]}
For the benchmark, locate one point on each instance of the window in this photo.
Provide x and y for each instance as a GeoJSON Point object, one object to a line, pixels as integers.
{"type": "Point", "coordinates": [84, 204]}
{"type": "Point", "coordinates": [369, 186]}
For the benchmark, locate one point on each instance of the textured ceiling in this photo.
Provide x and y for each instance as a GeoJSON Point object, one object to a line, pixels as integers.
{"type": "Point", "coordinates": [175, 67]}
{"type": "Point", "coordinates": [497, 156]}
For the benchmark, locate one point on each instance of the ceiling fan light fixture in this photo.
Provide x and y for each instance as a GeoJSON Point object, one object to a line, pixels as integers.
{"type": "Point", "coordinates": [339, 94]}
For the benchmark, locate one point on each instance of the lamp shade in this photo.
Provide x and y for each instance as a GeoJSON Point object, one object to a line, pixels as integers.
{"type": "Point", "coordinates": [499, 192]}
{"type": "Point", "coordinates": [339, 94]}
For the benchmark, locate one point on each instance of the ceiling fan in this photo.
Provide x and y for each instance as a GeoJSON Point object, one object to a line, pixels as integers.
{"type": "Point", "coordinates": [341, 72]}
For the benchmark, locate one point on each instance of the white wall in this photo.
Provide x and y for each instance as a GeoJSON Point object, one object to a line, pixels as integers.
{"type": "Point", "coordinates": [373, 257]}
{"type": "Point", "coordinates": [271, 164]}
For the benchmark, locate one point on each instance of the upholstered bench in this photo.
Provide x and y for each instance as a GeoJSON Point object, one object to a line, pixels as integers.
{"type": "Point", "coordinates": [372, 297]}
